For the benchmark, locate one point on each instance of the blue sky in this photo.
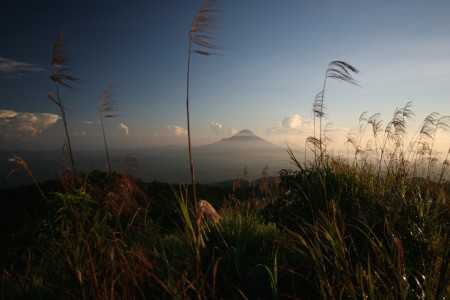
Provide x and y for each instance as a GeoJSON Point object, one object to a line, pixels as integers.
{"type": "Point", "coordinates": [264, 78]}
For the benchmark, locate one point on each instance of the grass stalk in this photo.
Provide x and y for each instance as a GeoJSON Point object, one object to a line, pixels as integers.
{"type": "Point", "coordinates": [106, 107]}
{"type": "Point", "coordinates": [60, 65]}
{"type": "Point", "coordinates": [191, 163]}
{"type": "Point", "coordinates": [200, 35]}
{"type": "Point", "coordinates": [340, 71]}
{"type": "Point", "coordinates": [22, 164]}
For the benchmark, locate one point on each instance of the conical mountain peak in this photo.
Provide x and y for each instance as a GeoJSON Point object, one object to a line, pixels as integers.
{"type": "Point", "coordinates": [245, 138]}
{"type": "Point", "coordinates": [245, 132]}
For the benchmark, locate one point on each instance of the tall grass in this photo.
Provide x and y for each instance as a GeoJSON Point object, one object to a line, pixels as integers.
{"type": "Point", "coordinates": [60, 65]}
{"type": "Point", "coordinates": [200, 35]}
{"type": "Point", "coordinates": [106, 109]}
{"type": "Point", "coordinates": [390, 152]}
{"type": "Point", "coordinates": [361, 239]}
{"type": "Point", "coordinates": [338, 70]}
{"type": "Point", "coordinates": [201, 41]}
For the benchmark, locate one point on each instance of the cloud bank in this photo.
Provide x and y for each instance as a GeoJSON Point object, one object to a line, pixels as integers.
{"type": "Point", "coordinates": [19, 124]}
{"type": "Point", "coordinates": [177, 130]}
{"type": "Point", "coordinates": [290, 124]}
{"type": "Point", "coordinates": [16, 68]}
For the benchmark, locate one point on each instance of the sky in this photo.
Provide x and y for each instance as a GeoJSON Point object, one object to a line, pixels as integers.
{"type": "Point", "coordinates": [264, 77]}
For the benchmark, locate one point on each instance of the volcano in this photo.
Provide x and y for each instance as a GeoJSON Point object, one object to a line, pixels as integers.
{"type": "Point", "coordinates": [230, 156]}
{"type": "Point", "coordinates": [244, 140]}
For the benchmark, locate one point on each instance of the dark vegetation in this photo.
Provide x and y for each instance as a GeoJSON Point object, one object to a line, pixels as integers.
{"type": "Point", "coordinates": [373, 225]}
{"type": "Point", "coordinates": [337, 232]}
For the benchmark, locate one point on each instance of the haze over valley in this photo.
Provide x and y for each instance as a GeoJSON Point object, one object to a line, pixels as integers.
{"type": "Point", "coordinates": [226, 159]}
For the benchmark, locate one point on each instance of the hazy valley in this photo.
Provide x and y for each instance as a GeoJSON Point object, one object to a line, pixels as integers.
{"type": "Point", "coordinates": [226, 159]}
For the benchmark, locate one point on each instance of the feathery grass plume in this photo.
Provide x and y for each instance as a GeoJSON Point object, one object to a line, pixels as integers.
{"type": "Point", "coordinates": [124, 194]}
{"type": "Point", "coordinates": [318, 112]}
{"type": "Point", "coordinates": [423, 144]}
{"type": "Point", "coordinates": [124, 199]}
{"type": "Point", "coordinates": [338, 70]}
{"type": "Point", "coordinates": [320, 145]}
{"type": "Point", "coordinates": [362, 126]}
{"type": "Point", "coordinates": [60, 67]}
{"type": "Point", "coordinates": [202, 36]}
{"type": "Point", "coordinates": [313, 144]}
{"type": "Point", "coordinates": [202, 30]}
{"type": "Point", "coordinates": [327, 139]}
{"type": "Point", "coordinates": [419, 146]}
{"type": "Point", "coordinates": [208, 216]}
{"type": "Point", "coordinates": [318, 108]}
{"type": "Point", "coordinates": [376, 129]}
{"type": "Point", "coordinates": [22, 164]}
{"type": "Point", "coordinates": [441, 124]}
{"type": "Point", "coordinates": [208, 212]}
{"type": "Point", "coordinates": [106, 109]}
{"type": "Point", "coordinates": [352, 139]}
{"type": "Point", "coordinates": [356, 137]}
{"type": "Point", "coordinates": [395, 131]}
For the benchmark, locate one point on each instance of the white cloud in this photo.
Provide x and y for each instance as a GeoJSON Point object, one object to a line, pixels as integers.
{"type": "Point", "coordinates": [13, 67]}
{"type": "Point", "coordinates": [290, 124]}
{"type": "Point", "coordinates": [216, 127]}
{"type": "Point", "coordinates": [7, 114]}
{"type": "Point", "coordinates": [177, 130]}
{"type": "Point", "coordinates": [17, 124]}
{"type": "Point", "coordinates": [124, 127]}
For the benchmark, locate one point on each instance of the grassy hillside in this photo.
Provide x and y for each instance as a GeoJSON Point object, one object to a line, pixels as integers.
{"type": "Point", "coordinates": [334, 231]}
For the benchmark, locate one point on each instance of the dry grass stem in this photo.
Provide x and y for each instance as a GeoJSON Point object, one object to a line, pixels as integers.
{"type": "Point", "coordinates": [60, 62]}
{"type": "Point", "coordinates": [338, 70]}
{"type": "Point", "coordinates": [22, 164]}
{"type": "Point", "coordinates": [106, 109]}
{"type": "Point", "coordinates": [200, 34]}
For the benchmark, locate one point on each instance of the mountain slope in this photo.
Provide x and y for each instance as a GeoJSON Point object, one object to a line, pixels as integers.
{"type": "Point", "coordinates": [244, 140]}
